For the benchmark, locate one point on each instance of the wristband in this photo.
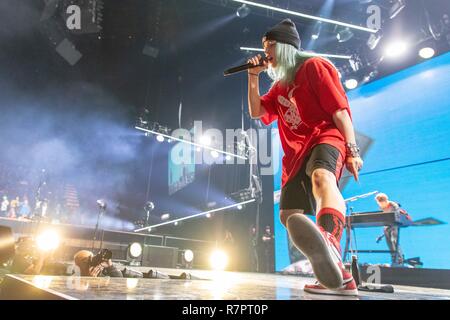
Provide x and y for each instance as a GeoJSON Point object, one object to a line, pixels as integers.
{"type": "Point", "coordinates": [352, 150]}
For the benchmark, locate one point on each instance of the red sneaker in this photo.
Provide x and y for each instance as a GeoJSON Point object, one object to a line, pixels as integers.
{"type": "Point", "coordinates": [348, 289]}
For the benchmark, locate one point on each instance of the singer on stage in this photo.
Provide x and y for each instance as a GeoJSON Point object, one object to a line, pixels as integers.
{"type": "Point", "coordinates": [317, 136]}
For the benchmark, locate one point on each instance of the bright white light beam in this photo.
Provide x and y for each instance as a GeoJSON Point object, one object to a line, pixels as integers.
{"type": "Point", "coordinates": [196, 215]}
{"type": "Point", "coordinates": [337, 56]}
{"type": "Point", "coordinates": [307, 16]}
{"type": "Point", "coordinates": [192, 143]}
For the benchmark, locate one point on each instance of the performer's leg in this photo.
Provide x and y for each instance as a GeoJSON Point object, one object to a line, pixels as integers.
{"type": "Point", "coordinates": [307, 238]}
{"type": "Point", "coordinates": [389, 241]}
{"type": "Point", "coordinates": [330, 203]}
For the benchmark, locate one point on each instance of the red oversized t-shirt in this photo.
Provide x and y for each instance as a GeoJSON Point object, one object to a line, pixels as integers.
{"type": "Point", "coordinates": [304, 111]}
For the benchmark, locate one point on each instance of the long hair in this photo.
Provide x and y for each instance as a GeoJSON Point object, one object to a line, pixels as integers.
{"type": "Point", "coordinates": [289, 60]}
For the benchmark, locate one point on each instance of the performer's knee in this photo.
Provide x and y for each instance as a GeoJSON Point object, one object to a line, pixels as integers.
{"type": "Point", "coordinates": [321, 178]}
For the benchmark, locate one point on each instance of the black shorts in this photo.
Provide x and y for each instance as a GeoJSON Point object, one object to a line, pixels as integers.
{"type": "Point", "coordinates": [297, 192]}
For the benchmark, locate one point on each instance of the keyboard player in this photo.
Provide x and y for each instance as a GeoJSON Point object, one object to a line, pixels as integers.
{"type": "Point", "coordinates": [391, 232]}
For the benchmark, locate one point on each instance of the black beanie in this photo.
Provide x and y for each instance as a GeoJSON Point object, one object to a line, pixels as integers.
{"type": "Point", "coordinates": [284, 32]}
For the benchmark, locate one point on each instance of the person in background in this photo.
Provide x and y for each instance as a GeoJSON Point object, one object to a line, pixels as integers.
{"type": "Point", "coordinates": [25, 209]}
{"type": "Point", "coordinates": [4, 206]}
{"type": "Point", "coordinates": [253, 246]}
{"type": "Point", "coordinates": [27, 259]}
{"type": "Point", "coordinates": [83, 260]}
{"type": "Point", "coordinates": [267, 244]}
{"type": "Point", "coordinates": [13, 207]}
{"type": "Point", "coordinates": [391, 232]}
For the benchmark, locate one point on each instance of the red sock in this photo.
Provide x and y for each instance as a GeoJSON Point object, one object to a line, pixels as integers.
{"type": "Point", "coordinates": [332, 221]}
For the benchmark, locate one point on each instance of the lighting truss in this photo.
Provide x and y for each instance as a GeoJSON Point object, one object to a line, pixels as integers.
{"type": "Point", "coordinates": [196, 215]}
{"type": "Point", "coordinates": [307, 16]}
{"type": "Point", "coordinates": [191, 143]}
{"type": "Point", "coordinates": [337, 56]}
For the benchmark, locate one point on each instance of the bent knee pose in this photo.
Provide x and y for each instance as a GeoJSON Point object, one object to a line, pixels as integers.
{"type": "Point", "coordinates": [314, 120]}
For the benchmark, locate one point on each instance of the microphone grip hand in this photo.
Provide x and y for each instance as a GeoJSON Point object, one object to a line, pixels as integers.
{"type": "Point", "coordinates": [260, 64]}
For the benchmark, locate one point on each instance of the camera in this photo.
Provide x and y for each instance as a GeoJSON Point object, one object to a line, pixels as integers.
{"type": "Point", "coordinates": [103, 255]}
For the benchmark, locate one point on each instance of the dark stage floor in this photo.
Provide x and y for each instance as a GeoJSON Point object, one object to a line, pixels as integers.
{"type": "Point", "coordinates": [217, 286]}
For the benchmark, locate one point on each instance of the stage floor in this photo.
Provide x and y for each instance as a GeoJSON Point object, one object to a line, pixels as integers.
{"type": "Point", "coordinates": [217, 286]}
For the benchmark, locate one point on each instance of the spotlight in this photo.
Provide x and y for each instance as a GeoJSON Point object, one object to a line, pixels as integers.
{"type": "Point", "coordinates": [135, 250]}
{"type": "Point", "coordinates": [240, 207]}
{"type": "Point", "coordinates": [396, 49]}
{"type": "Point", "coordinates": [214, 154]}
{"type": "Point", "coordinates": [205, 140]}
{"type": "Point", "coordinates": [351, 84]}
{"type": "Point", "coordinates": [218, 260]}
{"type": "Point", "coordinates": [316, 31]}
{"type": "Point", "coordinates": [47, 240]}
{"type": "Point", "coordinates": [344, 35]}
{"type": "Point", "coordinates": [243, 11]}
{"type": "Point", "coordinates": [396, 8]}
{"type": "Point", "coordinates": [228, 157]}
{"type": "Point", "coordinates": [101, 204]}
{"type": "Point", "coordinates": [188, 256]}
{"type": "Point", "coordinates": [373, 40]}
{"type": "Point", "coordinates": [160, 138]}
{"type": "Point", "coordinates": [208, 215]}
{"type": "Point", "coordinates": [426, 52]}
{"type": "Point", "coordinates": [175, 223]}
{"type": "Point", "coordinates": [165, 216]}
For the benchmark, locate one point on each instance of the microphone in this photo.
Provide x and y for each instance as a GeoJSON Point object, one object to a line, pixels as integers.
{"type": "Point", "coordinates": [244, 67]}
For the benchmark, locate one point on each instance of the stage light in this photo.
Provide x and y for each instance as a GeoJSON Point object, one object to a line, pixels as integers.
{"type": "Point", "coordinates": [316, 31]}
{"type": "Point", "coordinates": [160, 138]}
{"type": "Point", "coordinates": [396, 49]}
{"type": "Point", "coordinates": [326, 55]}
{"type": "Point", "coordinates": [351, 84]}
{"type": "Point", "coordinates": [396, 8]}
{"type": "Point", "coordinates": [208, 215]}
{"type": "Point", "coordinates": [303, 15]}
{"type": "Point", "coordinates": [205, 140]}
{"type": "Point", "coordinates": [344, 35]}
{"type": "Point", "coordinates": [196, 215]}
{"type": "Point", "coordinates": [175, 223]}
{"type": "Point", "coordinates": [101, 204]}
{"type": "Point", "coordinates": [165, 216]}
{"type": "Point", "coordinates": [243, 11]}
{"type": "Point", "coordinates": [228, 158]}
{"type": "Point", "coordinates": [135, 250]}
{"type": "Point", "coordinates": [132, 283]}
{"type": "Point", "coordinates": [239, 207]}
{"type": "Point", "coordinates": [188, 256]}
{"type": "Point", "coordinates": [426, 53]}
{"type": "Point", "coordinates": [214, 154]}
{"type": "Point", "coordinates": [47, 240]}
{"type": "Point", "coordinates": [218, 260]}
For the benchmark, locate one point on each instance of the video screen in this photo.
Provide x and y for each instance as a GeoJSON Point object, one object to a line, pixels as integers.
{"type": "Point", "coordinates": [403, 135]}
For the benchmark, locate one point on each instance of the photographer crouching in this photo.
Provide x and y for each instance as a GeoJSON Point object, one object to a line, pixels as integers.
{"type": "Point", "coordinates": [99, 265]}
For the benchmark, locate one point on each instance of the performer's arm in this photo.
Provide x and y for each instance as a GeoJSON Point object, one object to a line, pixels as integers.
{"type": "Point", "coordinates": [343, 122]}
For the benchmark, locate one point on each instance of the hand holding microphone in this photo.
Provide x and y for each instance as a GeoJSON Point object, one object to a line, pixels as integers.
{"type": "Point", "coordinates": [254, 65]}
{"type": "Point", "coordinates": [259, 64]}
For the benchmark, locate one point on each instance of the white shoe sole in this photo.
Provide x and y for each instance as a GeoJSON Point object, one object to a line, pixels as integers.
{"type": "Point", "coordinates": [353, 292]}
{"type": "Point", "coordinates": [309, 240]}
